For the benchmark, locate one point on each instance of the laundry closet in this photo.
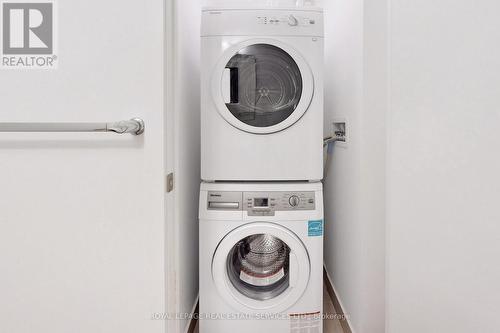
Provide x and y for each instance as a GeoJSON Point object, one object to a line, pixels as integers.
{"type": "Point", "coordinates": [249, 166]}
{"type": "Point", "coordinates": [410, 193]}
{"type": "Point", "coordinates": [241, 143]}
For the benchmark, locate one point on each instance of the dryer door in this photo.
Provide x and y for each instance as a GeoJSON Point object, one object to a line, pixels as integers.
{"type": "Point", "coordinates": [261, 267]}
{"type": "Point", "coordinates": [262, 86]}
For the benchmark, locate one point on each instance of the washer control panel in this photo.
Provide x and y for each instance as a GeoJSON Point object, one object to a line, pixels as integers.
{"type": "Point", "coordinates": [261, 203]}
{"type": "Point", "coordinates": [266, 203]}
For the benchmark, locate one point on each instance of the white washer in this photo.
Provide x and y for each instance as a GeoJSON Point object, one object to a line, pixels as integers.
{"type": "Point", "coordinates": [261, 257]}
{"type": "Point", "coordinates": [262, 94]}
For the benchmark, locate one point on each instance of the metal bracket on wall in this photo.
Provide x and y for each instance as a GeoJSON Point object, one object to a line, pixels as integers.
{"type": "Point", "coordinates": [170, 182]}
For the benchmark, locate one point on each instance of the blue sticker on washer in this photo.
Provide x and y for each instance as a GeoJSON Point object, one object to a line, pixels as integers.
{"type": "Point", "coordinates": [315, 228]}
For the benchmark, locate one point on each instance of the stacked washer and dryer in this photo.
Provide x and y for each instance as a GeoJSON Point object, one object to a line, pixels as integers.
{"type": "Point", "coordinates": [261, 202]}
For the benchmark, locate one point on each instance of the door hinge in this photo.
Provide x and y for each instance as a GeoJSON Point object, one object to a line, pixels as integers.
{"type": "Point", "coordinates": [170, 182]}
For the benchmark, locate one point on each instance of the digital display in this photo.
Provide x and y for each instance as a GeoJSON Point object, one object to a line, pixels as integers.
{"type": "Point", "coordinates": [261, 202]}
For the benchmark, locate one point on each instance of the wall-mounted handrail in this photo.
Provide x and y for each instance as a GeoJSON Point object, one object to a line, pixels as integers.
{"type": "Point", "coordinates": [133, 126]}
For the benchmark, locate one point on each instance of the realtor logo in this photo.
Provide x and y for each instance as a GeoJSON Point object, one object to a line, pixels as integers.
{"type": "Point", "coordinates": [28, 35]}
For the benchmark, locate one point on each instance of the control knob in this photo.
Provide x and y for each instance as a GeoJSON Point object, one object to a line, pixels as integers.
{"type": "Point", "coordinates": [294, 201]}
{"type": "Point", "coordinates": [292, 21]}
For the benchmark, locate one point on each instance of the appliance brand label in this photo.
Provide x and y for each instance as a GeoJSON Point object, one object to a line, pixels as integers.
{"type": "Point", "coordinates": [315, 228]}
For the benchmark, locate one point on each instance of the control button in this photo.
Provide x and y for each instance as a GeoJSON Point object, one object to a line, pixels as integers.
{"type": "Point", "coordinates": [262, 20]}
{"type": "Point", "coordinates": [294, 201]}
{"type": "Point", "coordinates": [292, 21]}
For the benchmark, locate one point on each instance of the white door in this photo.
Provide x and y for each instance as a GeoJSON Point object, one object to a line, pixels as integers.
{"type": "Point", "coordinates": [82, 215]}
{"type": "Point", "coordinates": [261, 267]}
{"type": "Point", "coordinates": [262, 86]}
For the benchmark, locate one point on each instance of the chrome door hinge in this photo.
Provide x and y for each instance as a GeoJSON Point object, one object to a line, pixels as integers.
{"type": "Point", "coordinates": [170, 182]}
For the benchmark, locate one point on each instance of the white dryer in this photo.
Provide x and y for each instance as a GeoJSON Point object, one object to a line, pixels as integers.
{"type": "Point", "coordinates": [262, 94]}
{"type": "Point", "coordinates": [261, 257]}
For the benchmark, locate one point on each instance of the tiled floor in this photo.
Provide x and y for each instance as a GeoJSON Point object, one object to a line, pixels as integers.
{"type": "Point", "coordinates": [329, 325]}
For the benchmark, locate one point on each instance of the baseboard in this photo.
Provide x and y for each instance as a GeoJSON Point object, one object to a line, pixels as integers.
{"type": "Point", "coordinates": [337, 304]}
{"type": "Point", "coordinates": [194, 316]}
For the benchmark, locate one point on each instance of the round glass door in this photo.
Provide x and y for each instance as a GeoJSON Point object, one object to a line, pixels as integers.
{"type": "Point", "coordinates": [258, 266]}
{"type": "Point", "coordinates": [265, 85]}
{"type": "Point", "coordinates": [261, 266]}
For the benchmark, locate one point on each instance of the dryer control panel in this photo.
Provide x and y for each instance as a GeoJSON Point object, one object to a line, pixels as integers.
{"type": "Point", "coordinates": [262, 22]}
{"type": "Point", "coordinates": [261, 203]}
{"type": "Point", "coordinates": [292, 20]}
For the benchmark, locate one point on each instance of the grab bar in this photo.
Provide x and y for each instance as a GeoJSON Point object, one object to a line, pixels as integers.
{"type": "Point", "coordinates": [133, 126]}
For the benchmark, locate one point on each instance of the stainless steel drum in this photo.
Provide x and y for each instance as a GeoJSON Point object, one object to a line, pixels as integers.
{"type": "Point", "coordinates": [258, 266]}
{"type": "Point", "coordinates": [266, 85]}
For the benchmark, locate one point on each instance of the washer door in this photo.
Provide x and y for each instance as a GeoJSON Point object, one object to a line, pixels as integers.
{"type": "Point", "coordinates": [261, 267]}
{"type": "Point", "coordinates": [262, 86]}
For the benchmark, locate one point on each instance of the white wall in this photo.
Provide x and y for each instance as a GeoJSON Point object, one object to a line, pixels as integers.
{"type": "Point", "coordinates": [187, 151]}
{"type": "Point", "coordinates": [343, 93]}
{"type": "Point", "coordinates": [82, 214]}
{"type": "Point", "coordinates": [443, 167]}
{"type": "Point", "coordinates": [355, 187]}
